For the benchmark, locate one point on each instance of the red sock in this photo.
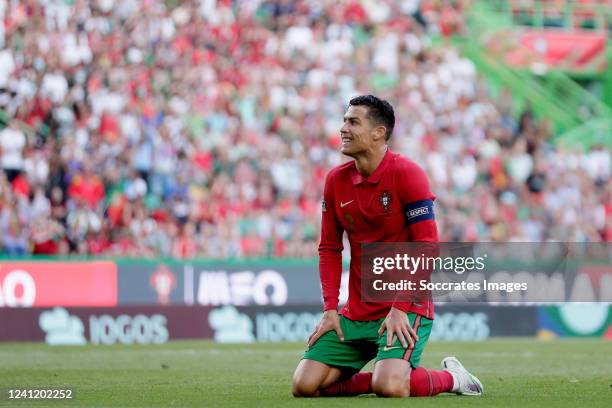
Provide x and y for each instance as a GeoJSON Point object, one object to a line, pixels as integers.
{"type": "Point", "coordinates": [360, 383]}
{"type": "Point", "coordinates": [427, 383]}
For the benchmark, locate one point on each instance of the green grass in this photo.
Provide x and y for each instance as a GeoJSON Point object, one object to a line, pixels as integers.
{"type": "Point", "coordinates": [572, 373]}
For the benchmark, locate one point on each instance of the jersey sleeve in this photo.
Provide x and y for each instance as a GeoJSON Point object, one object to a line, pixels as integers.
{"type": "Point", "coordinates": [330, 249]}
{"type": "Point", "coordinates": [417, 203]}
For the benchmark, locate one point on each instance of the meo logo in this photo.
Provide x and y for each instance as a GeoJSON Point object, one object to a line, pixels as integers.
{"type": "Point", "coordinates": [418, 211]}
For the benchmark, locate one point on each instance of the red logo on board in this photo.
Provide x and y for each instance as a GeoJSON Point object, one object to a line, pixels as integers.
{"type": "Point", "coordinates": [164, 282]}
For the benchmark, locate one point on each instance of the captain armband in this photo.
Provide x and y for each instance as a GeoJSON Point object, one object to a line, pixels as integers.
{"type": "Point", "coordinates": [419, 211]}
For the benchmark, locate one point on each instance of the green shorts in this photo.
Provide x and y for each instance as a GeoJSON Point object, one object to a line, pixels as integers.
{"type": "Point", "coordinates": [362, 343]}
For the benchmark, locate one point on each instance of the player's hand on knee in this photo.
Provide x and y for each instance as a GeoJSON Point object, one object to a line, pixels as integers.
{"type": "Point", "coordinates": [397, 324]}
{"type": "Point", "coordinates": [329, 321]}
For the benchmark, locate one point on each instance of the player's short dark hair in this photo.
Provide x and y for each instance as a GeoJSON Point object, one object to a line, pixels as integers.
{"type": "Point", "coordinates": [380, 112]}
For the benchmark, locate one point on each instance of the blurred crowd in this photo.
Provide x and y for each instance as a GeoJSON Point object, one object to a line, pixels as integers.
{"type": "Point", "coordinates": [205, 128]}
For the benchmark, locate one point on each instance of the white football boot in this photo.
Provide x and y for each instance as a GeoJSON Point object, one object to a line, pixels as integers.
{"type": "Point", "coordinates": [464, 382]}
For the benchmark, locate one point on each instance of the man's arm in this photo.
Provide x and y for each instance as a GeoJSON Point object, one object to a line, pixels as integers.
{"type": "Point", "coordinates": [330, 249]}
{"type": "Point", "coordinates": [330, 266]}
{"type": "Point", "coordinates": [417, 203]}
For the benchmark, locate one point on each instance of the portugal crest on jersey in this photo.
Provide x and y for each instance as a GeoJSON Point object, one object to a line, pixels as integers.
{"type": "Point", "coordinates": [385, 200]}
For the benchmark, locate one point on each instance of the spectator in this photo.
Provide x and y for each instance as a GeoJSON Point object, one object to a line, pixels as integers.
{"type": "Point", "coordinates": [12, 144]}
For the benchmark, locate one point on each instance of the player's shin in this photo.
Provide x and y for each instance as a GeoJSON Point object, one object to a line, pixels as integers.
{"type": "Point", "coordinates": [427, 383]}
{"type": "Point", "coordinates": [360, 383]}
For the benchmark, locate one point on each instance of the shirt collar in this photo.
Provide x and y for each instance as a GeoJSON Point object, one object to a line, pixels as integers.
{"type": "Point", "coordinates": [373, 178]}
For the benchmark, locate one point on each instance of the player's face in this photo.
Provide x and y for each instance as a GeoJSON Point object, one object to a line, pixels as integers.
{"type": "Point", "coordinates": [357, 133]}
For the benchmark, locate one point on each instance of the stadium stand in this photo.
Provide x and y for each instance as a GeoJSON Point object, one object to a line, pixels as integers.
{"type": "Point", "coordinates": [184, 129]}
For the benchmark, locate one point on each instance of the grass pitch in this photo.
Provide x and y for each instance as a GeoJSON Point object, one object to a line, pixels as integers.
{"type": "Point", "coordinates": [526, 373]}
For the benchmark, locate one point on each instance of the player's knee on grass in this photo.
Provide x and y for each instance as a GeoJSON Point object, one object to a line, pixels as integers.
{"type": "Point", "coordinates": [312, 376]}
{"type": "Point", "coordinates": [304, 385]}
{"type": "Point", "coordinates": [391, 384]}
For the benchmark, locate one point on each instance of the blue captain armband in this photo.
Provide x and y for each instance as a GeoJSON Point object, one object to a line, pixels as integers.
{"type": "Point", "coordinates": [419, 211]}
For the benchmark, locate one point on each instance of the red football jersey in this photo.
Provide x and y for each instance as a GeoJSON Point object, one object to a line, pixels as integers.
{"type": "Point", "coordinates": [370, 210]}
